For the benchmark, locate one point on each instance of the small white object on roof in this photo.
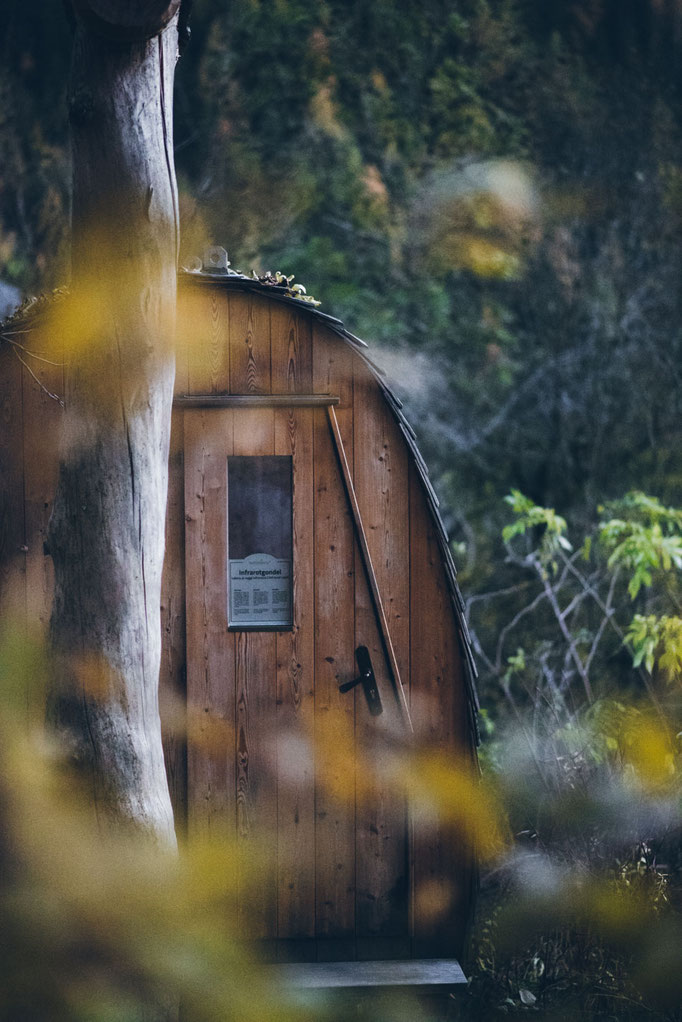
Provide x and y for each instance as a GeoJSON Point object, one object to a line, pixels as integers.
{"type": "Point", "coordinates": [215, 259]}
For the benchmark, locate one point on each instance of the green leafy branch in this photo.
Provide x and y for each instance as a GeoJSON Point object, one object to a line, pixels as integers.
{"type": "Point", "coordinates": [584, 597]}
{"type": "Point", "coordinates": [656, 640]}
{"type": "Point", "coordinates": [531, 516]}
{"type": "Point", "coordinates": [642, 549]}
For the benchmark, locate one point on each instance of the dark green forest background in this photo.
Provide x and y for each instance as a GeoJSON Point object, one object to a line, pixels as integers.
{"type": "Point", "coordinates": [490, 193]}
{"type": "Point", "coordinates": [490, 189]}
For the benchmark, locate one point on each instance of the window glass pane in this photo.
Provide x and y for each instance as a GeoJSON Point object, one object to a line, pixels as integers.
{"type": "Point", "coordinates": [259, 542]}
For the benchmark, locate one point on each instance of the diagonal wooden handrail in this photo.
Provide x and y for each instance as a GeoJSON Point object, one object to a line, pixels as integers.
{"type": "Point", "coordinates": [389, 651]}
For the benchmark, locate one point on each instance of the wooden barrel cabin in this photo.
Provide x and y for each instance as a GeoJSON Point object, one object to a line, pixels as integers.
{"type": "Point", "coordinates": [316, 674]}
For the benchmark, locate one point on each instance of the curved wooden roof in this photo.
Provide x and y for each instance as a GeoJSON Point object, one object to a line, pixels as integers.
{"type": "Point", "coordinates": [282, 293]}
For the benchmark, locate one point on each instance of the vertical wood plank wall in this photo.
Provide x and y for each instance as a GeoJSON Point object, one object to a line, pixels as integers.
{"type": "Point", "coordinates": [254, 434]}
{"type": "Point", "coordinates": [264, 720]}
{"type": "Point", "coordinates": [292, 372]}
{"type": "Point", "coordinates": [210, 650]}
{"type": "Point", "coordinates": [439, 705]}
{"type": "Point", "coordinates": [30, 422]}
{"type": "Point", "coordinates": [381, 486]}
{"type": "Point", "coordinates": [334, 663]}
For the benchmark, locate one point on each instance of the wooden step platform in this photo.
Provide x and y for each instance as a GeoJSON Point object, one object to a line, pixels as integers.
{"type": "Point", "coordinates": [334, 975]}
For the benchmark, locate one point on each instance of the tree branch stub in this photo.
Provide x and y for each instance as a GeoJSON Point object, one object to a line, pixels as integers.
{"type": "Point", "coordinates": [126, 20]}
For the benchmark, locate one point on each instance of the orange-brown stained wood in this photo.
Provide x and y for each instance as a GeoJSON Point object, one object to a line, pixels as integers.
{"type": "Point", "coordinates": [189, 301]}
{"type": "Point", "coordinates": [249, 332]}
{"type": "Point", "coordinates": [381, 486]}
{"type": "Point", "coordinates": [390, 677]}
{"type": "Point", "coordinates": [291, 350]}
{"type": "Point", "coordinates": [172, 675]}
{"type": "Point", "coordinates": [438, 709]}
{"type": "Point", "coordinates": [256, 716]}
{"type": "Point", "coordinates": [264, 710]}
{"type": "Point", "coordinates": [255, 663]}
{"type": "Point", "coordinates": [381, 476]}
{"type": "Point", "coordinates": [208, 440]}
{"type": "Point", "coordinates": [334, 656]}
{"type": "Point", "coordinates": [204, 331]}
{"type": "Point", "coordinates": [210, 649]}
{"type": "Point", "coordinates": [295, 697]}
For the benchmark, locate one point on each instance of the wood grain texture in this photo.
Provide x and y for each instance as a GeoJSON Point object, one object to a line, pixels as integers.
{"type": "Point", "coordinates": [381, 479]}
{"type": "Point", "coordinates": [295, 697]}
{"type": "Point", "coordinates": [255, 401]}
{"type": "Point", "coordinates": [250, 371]}
{"type": "Point", "coordinates": [173, 673]}
{"type": "Point", "coordinates": [327, 871]}
{"type": "Point", "coordinates": [292, 373]}
{"type": "Point", "coordinates": [334, 659]}
{"type": "Point", "coordinates": [210, 649]}
{"type": "Point", "coordinates": [394, 687]}
{"type": "Point", "coordinates": [438, 708]}
{"type": "Point", "coordinates": [381, 486]}
{"type": "Point", "coordinates": [291, 347]}
{"type": "Point", "coordinates": [205, 331]}
{"type": "Point", "coordinates": [256, 721]}
{"type": "Point", "coordinates": [208, 441]}
{"type": "Point", "coordinates": [189, 298]}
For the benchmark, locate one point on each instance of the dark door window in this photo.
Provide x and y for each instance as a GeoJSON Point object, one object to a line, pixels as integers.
{"type": "Point", "coordinates": [259, 542]}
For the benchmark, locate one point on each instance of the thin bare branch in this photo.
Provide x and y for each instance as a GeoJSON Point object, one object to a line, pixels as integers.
{"type": "Point", "coordinates": [571, 642]}
{"type": "Point", "coordinates": [55, 397]}
{"type": "Point", "coordinates": [484, 597]}
{"type": "Point", "coordinates": [594, 594]}
{"type": "Point", "coordinates": [575, 602]}
{"type": "Point", "coordinates": [480, 652]}
{"type": "Point", "coordinates": [608, 611]}
{"type": "Point", "coordinates": [512, 624]}
{"type": "Point", "coordinates": [13, 333]}
{"type": "Point", "coordinates": [528, 562]}
{"type": "Point", "coordinates": [33, 354]}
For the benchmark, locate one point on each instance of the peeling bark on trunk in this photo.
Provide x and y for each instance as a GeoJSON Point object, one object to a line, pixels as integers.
{"type": "Point", "coordinates": [107, 529]}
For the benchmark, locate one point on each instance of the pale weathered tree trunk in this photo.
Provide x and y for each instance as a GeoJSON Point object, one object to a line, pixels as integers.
{"type": "Point", "coordinates": [107, 528]}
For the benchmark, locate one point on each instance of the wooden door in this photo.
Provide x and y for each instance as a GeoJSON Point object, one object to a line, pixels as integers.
{"type": "Point", "coordinates": [292, 772]}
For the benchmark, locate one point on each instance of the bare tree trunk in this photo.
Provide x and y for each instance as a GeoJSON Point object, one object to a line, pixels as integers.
{"type": "Point", "coordinates": [107, 528]}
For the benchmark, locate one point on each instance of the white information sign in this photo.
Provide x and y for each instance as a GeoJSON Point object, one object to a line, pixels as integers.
{"type": "Point", "coordinates": [260, 591]}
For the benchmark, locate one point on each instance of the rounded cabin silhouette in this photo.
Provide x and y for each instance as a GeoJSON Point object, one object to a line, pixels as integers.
{"type": "Point", "coordinates": [316, 673]}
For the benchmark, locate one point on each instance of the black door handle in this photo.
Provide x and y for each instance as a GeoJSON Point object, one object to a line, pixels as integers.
{"type": "Point", "coordinates": [367, 680]}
